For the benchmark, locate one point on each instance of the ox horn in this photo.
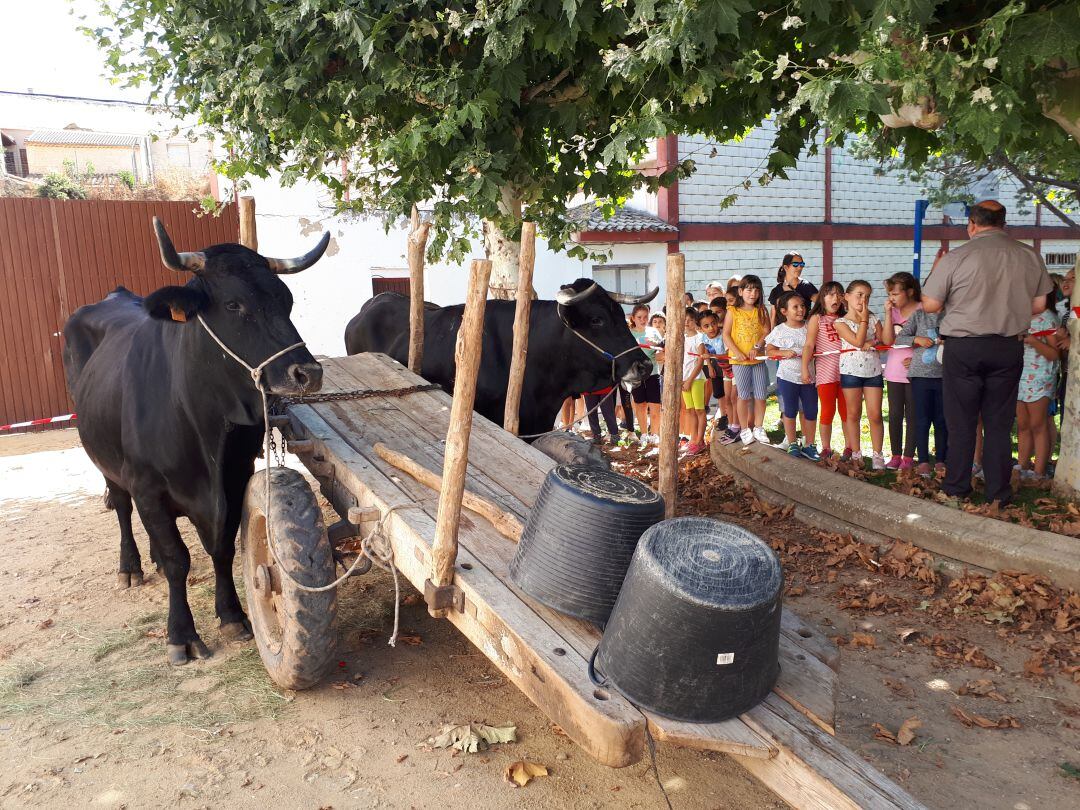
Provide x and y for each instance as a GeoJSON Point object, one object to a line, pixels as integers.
{"type": "Point", "coordinates": [284, 267]}
{"type": "Point", "coordinates": [567, 297]}
{"type": "Point", "coordinates": [181, 262]}
{"type": "Point", "coordinates": [624, 298]}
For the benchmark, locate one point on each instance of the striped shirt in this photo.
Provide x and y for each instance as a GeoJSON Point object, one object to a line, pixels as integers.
{"type": "Point", "coordinates": [828, 367]}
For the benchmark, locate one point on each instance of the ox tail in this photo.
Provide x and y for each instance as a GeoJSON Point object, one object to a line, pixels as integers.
{"type": "Point", "coordinates": [107, 500]}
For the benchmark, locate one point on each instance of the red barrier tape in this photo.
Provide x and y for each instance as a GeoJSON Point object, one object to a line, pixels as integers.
{"type": "Point", "coordinates": [35, 422]}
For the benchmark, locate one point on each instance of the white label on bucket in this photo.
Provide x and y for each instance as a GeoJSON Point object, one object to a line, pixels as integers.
{"type": "Point", "coordinates": [724, 658]}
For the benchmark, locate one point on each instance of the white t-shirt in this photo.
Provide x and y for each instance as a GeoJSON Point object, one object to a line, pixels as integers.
{"type": "Point", "coordinates": [691, 355]}
{"type": "Point", "coordinates": [787, 337]}
{"type": "Point", "coordinates": [861, 363]}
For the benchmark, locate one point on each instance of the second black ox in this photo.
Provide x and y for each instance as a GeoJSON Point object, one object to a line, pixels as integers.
{"type": "Point", "coordinates": [576, 343]}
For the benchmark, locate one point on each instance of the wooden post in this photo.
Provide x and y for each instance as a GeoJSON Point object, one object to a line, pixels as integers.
{"type": "Point", "coordinates": [418, 236]}
{"type": "Point", "coordinates": [456, 458]}
{"type": "Point", "coordinates": [249, 237]}
{"type": "Point", "coordinates": [522, 312]}
{"type": "Point", "coordinates": [671, 397]}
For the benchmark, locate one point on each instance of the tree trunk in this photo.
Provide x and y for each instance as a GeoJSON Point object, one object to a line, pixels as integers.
{"type": "Point", "coordinates": [501, 250]}
{"type": "Point", "coordinates": [418, 236]}
{"type": "Point", "coordinates": [671, 396]}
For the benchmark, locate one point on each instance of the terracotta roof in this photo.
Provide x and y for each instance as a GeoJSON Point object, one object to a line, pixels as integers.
{"type": "Point", "coordinates": [81, 137]}
{"type": "Point", "coordinates": [588, 217]}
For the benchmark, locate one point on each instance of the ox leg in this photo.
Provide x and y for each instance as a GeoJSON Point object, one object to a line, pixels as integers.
{"type": "Point", "coordinates": [131, 573]}
{"type": "Point", "coordinates": [167, 547]}
{"type": "Point", "coordinates": [222, 550]}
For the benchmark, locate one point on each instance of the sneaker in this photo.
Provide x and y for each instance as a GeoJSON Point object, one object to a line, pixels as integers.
{"type": "Point", "coordinates": [727, 437]}
{"type": "Point", "coordinates": [759, 435]}
{"type": "Point", "coordinates": [1029, 475]}
{"type": "Point", "coordinates": [906, 462]}
{"type": "Point", "coordinates": [893, 463]}
{"type": "Point", "coordinates": [877, 461]}
{"type": "Point", "coordinates": [785, 445]}
{"type": "Point", "coordinates": [723, 422]}
{"type": "Point", "coordinates": [976, 471]}
{"type": "Point", "coordinates": [694, 448]}
{"type": "Point", "coordinates": [747, 437]}
{"type": "Point", "coordinates": [826, 453]}
{"type": "Point", "coordinates": [924, 470]}
{"type": "Point", "coordinates": [810, 453]}
{"type": "Point", "coordinates": [846, 455]}
{"type": "Point", "coordinates": [793, 450]}
{"type": "Point", "coordinates": [856, 458]}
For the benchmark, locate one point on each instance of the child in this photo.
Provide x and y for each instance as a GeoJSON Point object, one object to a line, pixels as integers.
{"type": "Point", "coordinates": [693, 385]}
{"type": "Point", "coordinates": [924, 373]}
{"type": "Point", "coordinates": [904, 301]}
{"type": "Point", "coordinates": [713, 343]}
{"type": "Point", "coordinates": [646, 396]}
{"type": "Point", "coordinates": [1038, 384]}
{"type": "Point", "coordinates": [798, 394]}
{"type": "Point", "coordinates": [860, 371]}
{"type": "Point", "coordinates": [744, 335]}
{"type": "Point", "coordinates": [821, 337]}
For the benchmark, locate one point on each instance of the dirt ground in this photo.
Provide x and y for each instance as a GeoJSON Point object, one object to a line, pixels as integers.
{"type": "Point", "coordinates": [92, 716]}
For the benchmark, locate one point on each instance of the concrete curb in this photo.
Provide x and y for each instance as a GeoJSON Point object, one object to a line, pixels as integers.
{"type": "Point", "coordinates": [872, 510]}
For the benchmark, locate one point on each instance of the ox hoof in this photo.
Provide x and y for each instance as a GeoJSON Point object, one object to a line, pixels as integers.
{"type": "Point", "coordinates": [180, 654]}
{"type": "Point", "coordinates": [236, 631]}
{"type": "Point", "coordinates": [126, 579]}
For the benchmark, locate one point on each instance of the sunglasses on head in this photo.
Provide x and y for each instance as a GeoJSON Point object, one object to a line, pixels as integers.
{"type": "Point", "coordinates": [798, 264]}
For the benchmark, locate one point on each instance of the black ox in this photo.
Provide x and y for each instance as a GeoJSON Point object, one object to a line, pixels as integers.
{"type": "Point", "coordinates": [573, 341]}
{"type": "Point", "coordinates": [173, 423]}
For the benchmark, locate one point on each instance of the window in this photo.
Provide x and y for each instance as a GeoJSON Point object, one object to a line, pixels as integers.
{"type": "Point", "coordinates": [622, 278]}
{"type": "Point", "coordinates": [381, 285]}
{"type": "Point", "coordinates": [179, 154]}
{"type": "Point", "coordinates": [1064, 260]}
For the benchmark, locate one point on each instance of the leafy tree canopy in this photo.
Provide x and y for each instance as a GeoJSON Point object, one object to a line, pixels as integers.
{"type": "Point", "coordinates": [492, 108]}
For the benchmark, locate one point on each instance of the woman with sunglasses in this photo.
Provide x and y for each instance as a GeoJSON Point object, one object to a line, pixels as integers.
{"type": "Point", "coordinates": [789, 279]}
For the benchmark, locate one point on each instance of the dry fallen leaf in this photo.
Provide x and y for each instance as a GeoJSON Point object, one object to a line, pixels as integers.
{"type": "Point", "coordinates": [907, 730]}
{"type": "Point", "coordinates": [520, 773]}
{"type": "Point", "coordinates": [882, 733]}
{"type": "Point", "coordinates": [410, 638]}
{"type": "Point", "coordinates": [45, 625]}
{"type": "Point", "coordinates": [906, 632]}
{"type": "Point", "coordinates": [412, 599]}
{"type": "Point", "coordinates": [981, 688]}
{"type": "Point", "coordinates": [471, 738]}
{"type": "Point", "coordinates": [862, 640]}
{"type": "Point", "coordinates": [969, 720]}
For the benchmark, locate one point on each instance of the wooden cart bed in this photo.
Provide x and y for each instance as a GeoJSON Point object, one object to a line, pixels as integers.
{"type": "Point", "coordinates": [786, 741]}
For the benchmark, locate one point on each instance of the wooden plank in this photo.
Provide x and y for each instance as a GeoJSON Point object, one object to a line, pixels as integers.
{"type": "Point", "coordinates": [810, 638]}
{"type": "Point", "coordinates": [808, 685]}
{"type": "Point", "coordinates": [504, 628]}
{"type": "Point", "coordinates": [813, 770]}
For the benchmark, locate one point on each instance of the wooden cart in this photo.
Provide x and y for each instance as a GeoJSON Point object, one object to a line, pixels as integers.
{"type": "Point", "coordinates": [785, 741]}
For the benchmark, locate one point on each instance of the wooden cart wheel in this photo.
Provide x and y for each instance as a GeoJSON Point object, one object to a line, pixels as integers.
{"type": "Point", "coordinates": [294, 629]}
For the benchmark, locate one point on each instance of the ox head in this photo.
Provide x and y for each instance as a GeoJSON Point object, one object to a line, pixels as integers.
{"type": "Point", "coordinates": [238, 294]}
{"type": "Point", "coordinates": [593, 313]}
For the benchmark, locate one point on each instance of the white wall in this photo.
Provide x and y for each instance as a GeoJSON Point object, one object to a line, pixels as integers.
{"type": "Point", "coordinates": [718, 261]}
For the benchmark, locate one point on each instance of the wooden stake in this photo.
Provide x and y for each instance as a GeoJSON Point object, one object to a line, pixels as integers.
{"type": "Point", "coordinates": [456, 458]}
{"type": "Point", "coordinates": [671, 397]}
{"type": "Point", "coordinates": [522, 312]}
{"type": "Point", "coordinates": [418, 237]}
{"type": "Point", "coordinates": [505, 523]}
{"type": "Point", "coordinates": [249, 238]}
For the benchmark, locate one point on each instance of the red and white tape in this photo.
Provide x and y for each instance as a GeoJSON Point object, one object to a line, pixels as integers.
{"type": "Point", "coordinates": [68, 417]}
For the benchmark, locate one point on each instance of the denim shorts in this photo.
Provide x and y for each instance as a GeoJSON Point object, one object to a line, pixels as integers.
{"type": "Point", "coordinates": [853, 381]}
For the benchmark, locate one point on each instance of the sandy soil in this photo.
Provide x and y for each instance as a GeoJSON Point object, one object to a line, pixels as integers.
{"type": "Point", "coordinates": [91, 715]}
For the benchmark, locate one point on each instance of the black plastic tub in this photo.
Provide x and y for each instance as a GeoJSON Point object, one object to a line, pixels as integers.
{"type": "Point", "coordinates": [695, 634]}
{"type": "Point", "coordinates": [580, 537]}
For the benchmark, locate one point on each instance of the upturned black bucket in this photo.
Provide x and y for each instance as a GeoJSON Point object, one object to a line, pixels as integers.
{"type": "Point", "coordinates": [580, 537]}
{"type": "Point", "coordinates": [695, 633]}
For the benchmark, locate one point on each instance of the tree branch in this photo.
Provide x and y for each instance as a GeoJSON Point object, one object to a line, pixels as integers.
{"type": "Point", "coordinates": [543, 87]}
{"type": "Point", "coordinates": [1053, 181]}
{"type": "Point", "coordinates": [1030, 189]}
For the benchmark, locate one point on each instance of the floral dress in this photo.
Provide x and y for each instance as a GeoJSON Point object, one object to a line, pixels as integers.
{"type": "Point", "coordinates": [1039, 377]}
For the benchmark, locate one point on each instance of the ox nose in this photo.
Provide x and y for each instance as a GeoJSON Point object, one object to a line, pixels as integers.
{"type": "Point", "coordinates": [639, 371]}
{"type": "Point", "coordinates": [307, 376]}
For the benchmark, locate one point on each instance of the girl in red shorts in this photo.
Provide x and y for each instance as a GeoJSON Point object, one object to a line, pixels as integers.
{"type": "Point", "coordinates": [821, 337]}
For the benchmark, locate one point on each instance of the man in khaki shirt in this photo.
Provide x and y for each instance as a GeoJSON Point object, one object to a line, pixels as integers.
{"type": "Point", "coordinates": [987, 290]}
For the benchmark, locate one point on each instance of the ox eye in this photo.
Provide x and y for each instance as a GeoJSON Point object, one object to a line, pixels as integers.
{"type": "Point", "coordinates": [597, 322]}
{"type": "Point", "coordinates": [233, 306]}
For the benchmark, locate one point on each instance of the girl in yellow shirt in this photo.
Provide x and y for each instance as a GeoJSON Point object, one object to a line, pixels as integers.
{"type": "Point", "coordinates": [745, 328]}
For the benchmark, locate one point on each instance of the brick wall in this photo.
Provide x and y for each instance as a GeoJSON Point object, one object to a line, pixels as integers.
{"type": "Point", "coordinates": [875, 262]}
{"type": "Point", "coordinates": [717, 261]}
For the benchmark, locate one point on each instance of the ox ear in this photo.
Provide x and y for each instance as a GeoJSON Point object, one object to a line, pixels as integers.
{"type": "Point", "coordinates": [175, 303]}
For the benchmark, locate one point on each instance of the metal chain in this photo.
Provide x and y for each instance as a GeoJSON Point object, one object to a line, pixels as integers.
{"type": "Point", "coordinates": [355, 393]}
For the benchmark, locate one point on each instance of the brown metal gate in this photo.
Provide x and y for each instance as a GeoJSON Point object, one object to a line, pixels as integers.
{"type": "Point", "coordinates": [56, 256]}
